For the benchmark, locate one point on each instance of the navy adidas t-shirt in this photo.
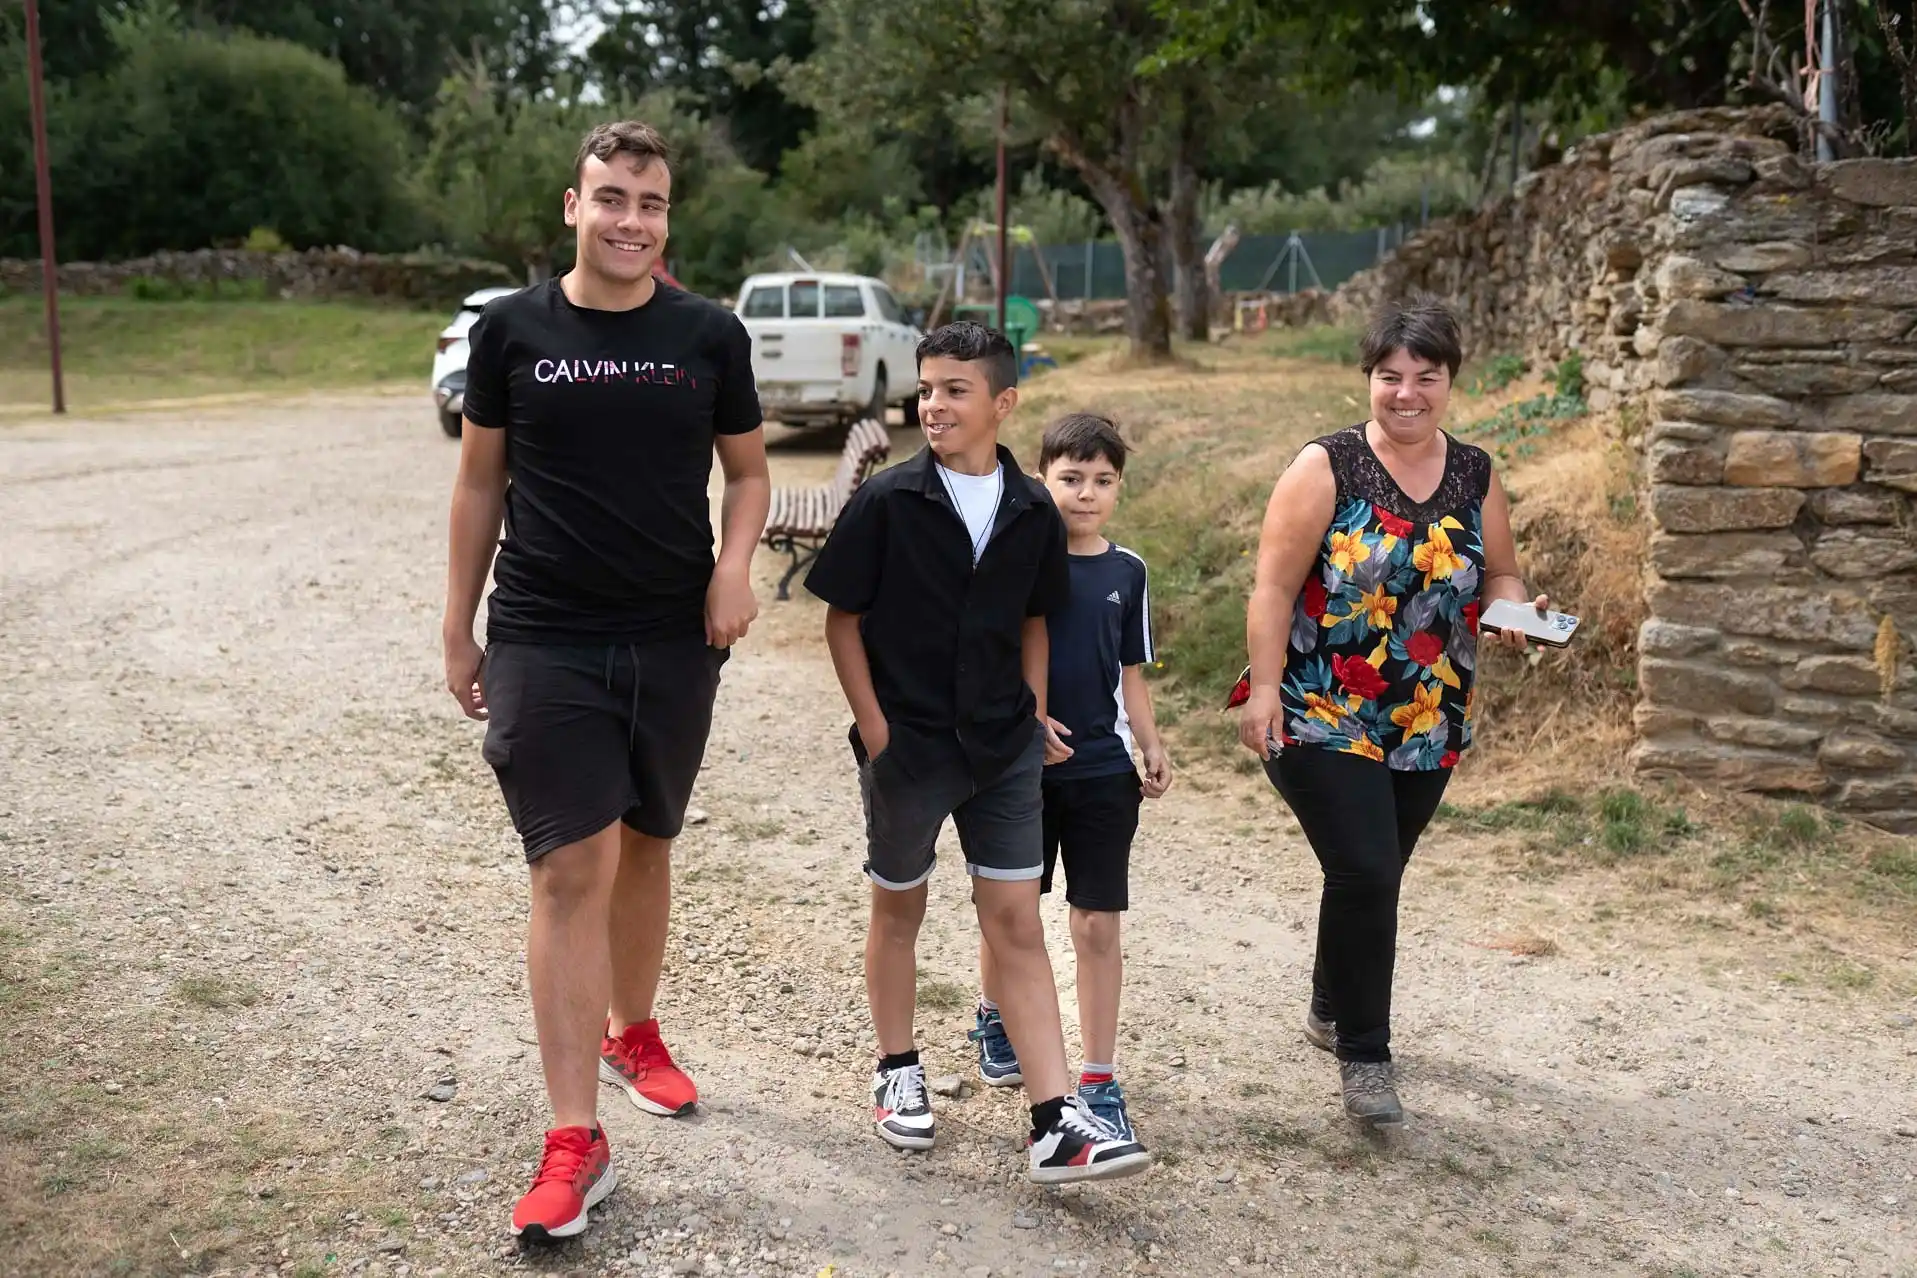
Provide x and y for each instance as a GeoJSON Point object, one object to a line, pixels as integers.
{"type": "Point", "coordinates": [1104, 626]}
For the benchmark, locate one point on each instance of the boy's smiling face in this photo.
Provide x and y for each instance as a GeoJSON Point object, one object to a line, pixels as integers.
{"type": "Point", "coordinates": [1085, 492]}
{"type": "Point", "coordinates": [958, 412]}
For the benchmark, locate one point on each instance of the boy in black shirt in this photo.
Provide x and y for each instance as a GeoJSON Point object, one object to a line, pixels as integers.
{"type": "Point", "coordinates": [938, 576]}
{"type": "Point", "coordinates": [1100, 641]}
{"type": "Point", "coordinates": [594, 404]}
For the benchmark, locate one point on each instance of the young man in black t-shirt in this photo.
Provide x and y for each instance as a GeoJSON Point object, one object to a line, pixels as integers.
{"type": "Point", "coordinates": [938, 577]}
{"type": "Point", "coordinates": [1101, 638]}
{"type": "Point", "coordinates": [593, 406]}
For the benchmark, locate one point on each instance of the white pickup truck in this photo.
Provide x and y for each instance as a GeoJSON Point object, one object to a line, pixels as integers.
{"type": "Point", "coordinates": [829, 349]}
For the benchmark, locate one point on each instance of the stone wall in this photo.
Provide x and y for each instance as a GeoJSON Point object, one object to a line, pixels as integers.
{"type": "Point", "coordinates": [417, 279]}
{"type": "Point", "coordinates": [1762, 315]}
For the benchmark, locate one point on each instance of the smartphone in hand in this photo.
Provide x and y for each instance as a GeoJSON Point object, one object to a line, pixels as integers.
{"type": "Point", "coordinates": [1552, 629]}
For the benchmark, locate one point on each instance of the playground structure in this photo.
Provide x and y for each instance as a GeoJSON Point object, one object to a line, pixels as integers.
{"type": "Point", "coordinates": [1023, 319]}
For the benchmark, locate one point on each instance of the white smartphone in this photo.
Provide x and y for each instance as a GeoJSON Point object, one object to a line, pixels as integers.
{"type": "Point", "coordinates": [1552, 629]}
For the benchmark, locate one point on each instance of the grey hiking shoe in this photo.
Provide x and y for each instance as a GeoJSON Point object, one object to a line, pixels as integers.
{"type": "Point", "coordinates": [1320, 1034]}
{"type": "Point", "coordinates": [1369, 1097]}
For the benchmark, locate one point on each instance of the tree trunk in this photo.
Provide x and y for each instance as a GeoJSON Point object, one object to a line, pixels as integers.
{"type": "Point", "coordinates": [1114, 181]}
{"type": "Point", "coordinates": [1181, 225]}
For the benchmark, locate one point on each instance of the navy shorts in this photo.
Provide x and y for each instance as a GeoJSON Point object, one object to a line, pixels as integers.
{"type": "Point", "coordinates": [581, 737]}
{"type": "Point", "coordinates": [1089, 824]}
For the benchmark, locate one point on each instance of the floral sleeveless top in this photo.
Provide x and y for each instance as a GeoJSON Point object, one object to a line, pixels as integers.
{"type": "Point", "coordinates": [1384, 635]}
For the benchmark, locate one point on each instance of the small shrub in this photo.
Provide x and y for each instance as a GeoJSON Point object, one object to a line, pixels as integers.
{"type": "Point", "coordinates": [1499, 373]}
{"type": "Point", "coordinates": [1570, 378]}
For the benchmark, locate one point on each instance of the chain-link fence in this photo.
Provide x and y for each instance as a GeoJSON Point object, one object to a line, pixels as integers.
{"type": "Point", "coordinates": [1258, 263]}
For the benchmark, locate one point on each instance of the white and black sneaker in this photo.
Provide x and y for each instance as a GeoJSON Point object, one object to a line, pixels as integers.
{"type": "Point", "coordinates": [901, 1110]}
{"type": "Point", "coordinates": [1080, 1146]}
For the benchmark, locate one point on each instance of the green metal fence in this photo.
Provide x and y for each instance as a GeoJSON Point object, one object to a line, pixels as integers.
{"type": "Point", "coordinates": [1275, 263]}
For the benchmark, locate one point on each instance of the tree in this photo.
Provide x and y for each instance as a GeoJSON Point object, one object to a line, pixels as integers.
{"type": "Point", "coordinates": [401, 49]}
{"type": "Point", "coordinates": [719, 57]}
{"type": "Point", "coordinates": [196, 138]}
{"type": "Point", "coordinates": [1072, 67]}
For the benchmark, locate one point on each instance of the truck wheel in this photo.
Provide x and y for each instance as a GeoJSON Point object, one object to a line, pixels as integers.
{"type": "Point", "coordinates": [450, 423]}
{"type": "Point", "coordinates": [876, 408]}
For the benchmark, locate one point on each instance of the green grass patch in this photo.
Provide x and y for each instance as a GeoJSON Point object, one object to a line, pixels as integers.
{"type": "Point", "coordinates": [1326, 344]}
{"type": "Point", "coordinates": [1612, 825]}
{"type": "Point", "coordinates": [127, 350]}
{"type": "Point", "coordinates": [216, 993]}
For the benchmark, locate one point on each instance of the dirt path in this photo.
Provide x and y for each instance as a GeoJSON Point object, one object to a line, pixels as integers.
{"type": "Point", "coordinates": [260, 897]}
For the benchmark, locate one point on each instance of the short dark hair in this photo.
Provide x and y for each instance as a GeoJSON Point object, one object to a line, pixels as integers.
{"type": "Point", "coordinates": [1083, 437]}
{"type": "Point", "coordinates": [621, 137]}
{"type": "Point", "coordinates": [1423, 325]}
{"type": "Point", "coordinates": [969, 343]}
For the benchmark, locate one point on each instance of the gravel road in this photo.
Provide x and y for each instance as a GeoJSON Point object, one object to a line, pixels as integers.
{"type": "Point", "coordinates": [227, 758]}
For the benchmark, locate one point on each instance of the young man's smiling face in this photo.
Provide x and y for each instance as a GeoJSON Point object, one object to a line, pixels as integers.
{"type": "Point", "coordinates": [1085, 492]}
{"type": "Point", "coordinates": [620, 210]}
{"type": "Point", "coordinates": [958, 411]}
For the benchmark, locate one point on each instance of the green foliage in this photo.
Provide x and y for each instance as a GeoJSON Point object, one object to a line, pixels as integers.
{"type": "Point", "coordinates": [1513, 431]}
{"type": "Point", "coordinates": [150, 289]}
{"type": "Point", "coordinates": [1500, 372]}
{"type": "Point", "coordinates": [1398, 188]}
{"type": "Point", "coordinates": [1053, 214]}
{"type": "Point", "coordinates": [1570, 377]}
{"type": "Point", "coordinates": [196, 138]}
{"type": "Point", "coordinates": [264, 239]}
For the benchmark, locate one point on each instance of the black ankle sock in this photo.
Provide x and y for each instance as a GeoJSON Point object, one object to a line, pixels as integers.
{"type": "Point", "coordinates": [899, 1060]}
{"type": "Point", "coordinates": [1044, 1114]}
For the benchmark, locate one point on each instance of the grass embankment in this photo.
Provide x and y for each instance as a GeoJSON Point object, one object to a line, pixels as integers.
{"type": "Point", "coordinates": [119, 352]}
{"type": "Point", "coordinates": [1546, 791]}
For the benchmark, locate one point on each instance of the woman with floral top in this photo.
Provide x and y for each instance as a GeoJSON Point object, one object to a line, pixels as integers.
{"type": "Point", "coordinates": [1380, 544]}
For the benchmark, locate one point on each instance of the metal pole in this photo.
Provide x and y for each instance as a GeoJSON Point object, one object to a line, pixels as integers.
{"type": "Point", "coordinates": [1004, 266]}
{"type": "Point", "coordinates": [1827, 88]}
{"type": "Point", "coordinates": [43, 189]}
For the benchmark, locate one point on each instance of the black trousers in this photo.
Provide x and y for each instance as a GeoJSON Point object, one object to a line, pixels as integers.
{"type": "Point", "coordinates": [1362, 820]}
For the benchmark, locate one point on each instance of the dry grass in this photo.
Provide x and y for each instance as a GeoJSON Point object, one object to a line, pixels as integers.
{"type": "Point", "coordinates": [126, 1150]}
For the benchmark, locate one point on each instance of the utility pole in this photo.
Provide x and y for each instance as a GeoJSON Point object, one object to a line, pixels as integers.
{"type": "Point", "coordinates": [1004, 264]}
{"type": "Point", "coordinates": [43, 186]}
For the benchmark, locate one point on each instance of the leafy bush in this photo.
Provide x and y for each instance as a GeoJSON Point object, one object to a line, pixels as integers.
{"type": "Point", "coordinates": [1395, 190]}
{"type": "Point", "coordinates": [195, 138]}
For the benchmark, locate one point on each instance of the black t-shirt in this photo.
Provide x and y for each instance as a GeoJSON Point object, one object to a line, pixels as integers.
{"type": "Point", "coordinates": [1104, 626]}
{"type": "Point", "coordinates": [609, 420]}
{"type": "Point", "coordinates": [944, 635]}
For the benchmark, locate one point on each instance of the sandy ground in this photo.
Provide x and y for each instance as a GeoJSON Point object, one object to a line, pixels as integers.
{"type": "Point", "coordinates": [226, 763]}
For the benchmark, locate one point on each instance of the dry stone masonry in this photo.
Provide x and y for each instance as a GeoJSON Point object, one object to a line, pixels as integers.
{"type": "Point", "coordinates": [1761, 314]}
{"type": "Point", "coordinates": [334, 273]}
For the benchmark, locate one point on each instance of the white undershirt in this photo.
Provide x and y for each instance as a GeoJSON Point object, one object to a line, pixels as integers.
{"type": "Point", "coordinates": [976, 497]}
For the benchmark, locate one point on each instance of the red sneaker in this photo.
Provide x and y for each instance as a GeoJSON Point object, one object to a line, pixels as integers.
{"type": "Point", "coordinates": [574, 1175]}
{"type": "Point", "coordinates": [638, 1064]}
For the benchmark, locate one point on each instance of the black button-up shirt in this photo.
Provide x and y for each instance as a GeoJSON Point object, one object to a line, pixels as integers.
{"type": "Point", "coordinates": [942, 636]}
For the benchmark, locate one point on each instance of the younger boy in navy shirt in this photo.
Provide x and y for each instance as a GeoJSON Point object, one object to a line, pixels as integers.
{"type": "Point", "coordinates": [1097, 699]}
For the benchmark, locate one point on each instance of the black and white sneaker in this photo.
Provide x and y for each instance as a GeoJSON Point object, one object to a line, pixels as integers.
{"type": "Point", "coordinates": [1081, 1147]}
{"type": "Point", "coordinates": [900, 1108]}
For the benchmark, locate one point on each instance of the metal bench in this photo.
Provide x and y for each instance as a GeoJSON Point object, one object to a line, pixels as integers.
{"type": "Point", "coordinates": [801, 518]}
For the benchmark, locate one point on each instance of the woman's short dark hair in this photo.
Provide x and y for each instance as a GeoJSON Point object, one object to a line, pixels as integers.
{"type": "Point", "coordinates": [1423, 326]}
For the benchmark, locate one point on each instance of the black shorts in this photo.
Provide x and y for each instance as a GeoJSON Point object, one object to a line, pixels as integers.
{"type": "Point", "coordinates": [581, 737]}
{"type": "Point", "coordinates": [1090, 821]}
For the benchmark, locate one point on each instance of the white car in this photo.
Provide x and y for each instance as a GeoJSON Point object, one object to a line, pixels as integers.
{"type": "Point", "coordinates": [449, 359]}
{"type": "Point", "coordinates": [829, 349]}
